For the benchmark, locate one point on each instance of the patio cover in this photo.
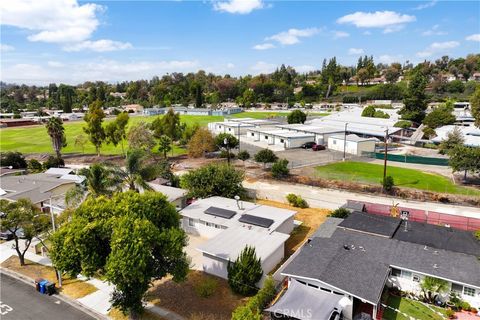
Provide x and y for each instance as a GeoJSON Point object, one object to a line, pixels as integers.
{"type": "Point", "coordinates": [306, 303]}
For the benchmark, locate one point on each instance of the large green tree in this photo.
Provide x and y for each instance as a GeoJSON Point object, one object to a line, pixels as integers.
{"type": "Point", "coordinates": [137, 171]}
{"type": "Point", "coordinates": [464, 159]}
{"type": "Point", "coordinates": [94, 119]}
{"type": "Point", "coordinates": [131, 238]}
{"type": "Point", "coordinates": [22, 216]}
{"type": "Point", "coordinates": [168, 124]}
{"type": "Point", "coordinates": [265, 156]}
{"type": "Point", "coordinates": [116, 131]}
{"type": "Point", "coordinates": [415, 100]}
{"type": "Point", "coordinates": [440, 116]}
{"type": "Point", "coordinates": [164, 145]}
{"type": "Point", "coordinates": [56, 131]}
{"type": "Point", "coordinates": [140, 137]}
{"type": "Point", "coordinates": [213, 180]}
{"type": "Point", "coordinates": [296, 116]}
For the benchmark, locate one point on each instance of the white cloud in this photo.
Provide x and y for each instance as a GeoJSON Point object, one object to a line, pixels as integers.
{"type": "Point", "coordinates": [238, 6]}
{"type": "Point", "coordinates": [473, 37]}
{"type": "Point", "coordinates": [426, 5]}
{"type": "Point", "coordinates": [367, 33]}
{"type": "Point", "coordinates": [98, 70]}
{"type": "Point", "coordinates": [389, 20]}
{"type": "Point", "coordinates": [355, 51]}
{"type": "Point", "coordinates": [55, 21]}
{"type": "Point", "coordinates": [434, 31]}
{"type": "Point", "coordinates": [103, 45]}
{"type": "Point", "coordinates": [6, 47]}
{"type": "Point", "coordinates": [437, 47]}
{"type": "Point", "coordinates": [230, 65]}
{"type": "Point", "coordinates": [263, 67]}
{"type": "Point", "coordinates": [264, 46]}
{"type": "Point", "coordinates": [340, 34]}
{"type": "Point", "coordinates": [386, 58]}
{"type": "Point", "coordinates": [304, 68]}
{"type": "Point", "coordinates": [55, 64]}
{"type": "Point", "coordinates": [292, 36]}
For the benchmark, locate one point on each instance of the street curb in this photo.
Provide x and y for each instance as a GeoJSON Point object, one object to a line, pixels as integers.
{"type": "Point", "coordinates": [60, 296]}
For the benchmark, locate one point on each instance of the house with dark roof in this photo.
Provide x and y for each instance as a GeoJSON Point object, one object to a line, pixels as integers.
{"type": "Point", "coordinates": [367, 253]}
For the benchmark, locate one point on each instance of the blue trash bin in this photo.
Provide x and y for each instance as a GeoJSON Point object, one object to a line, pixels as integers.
{"type": "Point", "coordinates": [43, 288]}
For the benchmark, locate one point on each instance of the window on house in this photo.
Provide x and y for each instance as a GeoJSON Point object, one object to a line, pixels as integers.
{"type": "Point", "coordinates": [217, 226]}
{"type": "Point", "coordinates": [191, 222]}
{"type": "Point", "coordinates": [416, 278]}
{"type": "Point", "coordinates": [253, 134]}
{"type": "Point", "coordinates": [209, 224]}
{"type": "Point", "coordinates": [282, 141]}
{"type": "Point", "coordinates": [406, 274]}
{"type": "Point", "coordinates": [326, 290]}
{"type": "Point", "coordinates": [334, 141]}
{"type": "Point", "coordinates": [457, 288]}
{"type": "Point", "coordinates": [469, 291]}
{"type": "Point", "coordinates": [266, 137]}
{"type": "Point", "coordinates": [313, 286]}
{"type": "Point", "coordinates": [396, 272]}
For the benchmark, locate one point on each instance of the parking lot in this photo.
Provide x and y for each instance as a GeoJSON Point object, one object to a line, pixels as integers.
{"type": "Point", "coordinates": [300, 157]}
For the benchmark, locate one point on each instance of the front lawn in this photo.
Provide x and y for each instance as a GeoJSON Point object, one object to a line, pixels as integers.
{"type": "Point", "coordinates": [410, 308]}
{"type": "Point", "coordinates": [408, 178]}
{"type": "Point", "coordinates": [183, 298]}
{"type": "Point", "coordinates": [74, 288]}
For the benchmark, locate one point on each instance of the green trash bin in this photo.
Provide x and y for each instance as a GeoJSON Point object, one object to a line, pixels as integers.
{"type": "Point", "coordinates": [50, 288]}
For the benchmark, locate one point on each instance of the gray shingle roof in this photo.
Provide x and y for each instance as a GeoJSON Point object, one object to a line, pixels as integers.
{"type": "Point", "coordinates": [370, 223]}
{"type": "Point", "coordinates": [362, 270]}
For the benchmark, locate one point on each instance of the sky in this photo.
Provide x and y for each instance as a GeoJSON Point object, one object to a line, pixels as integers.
{"type": "Point", "coordinates": [71, 41]}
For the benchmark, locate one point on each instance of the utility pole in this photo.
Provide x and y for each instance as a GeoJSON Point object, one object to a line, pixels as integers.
{"type": "Point", "coordinates": [385, 156]}
{"type": "Point", "coordinates": [345, 141]}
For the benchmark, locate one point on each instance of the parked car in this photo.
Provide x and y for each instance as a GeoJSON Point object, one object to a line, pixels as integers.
{"type": "Point", "coordinates": [318, 147]}
{"type": "Point", "coordinates": [6, 235]}
{"type": "Point", "coordinates": [308, 145]}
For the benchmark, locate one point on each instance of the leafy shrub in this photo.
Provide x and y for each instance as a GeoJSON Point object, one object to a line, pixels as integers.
{"type": "Point", "coordinates": [381, 114]}
{"type": "Point", "coordinates": [34, 166]}
{"type": "Point", "coordinates": [16, 160]}
{"type": "Point", "coordinates": [265, 156]}
{"type": "Point", "coordinates": [404, 124]}
{"type": "Point", "coordinates": [53, 162]}
{"type": "Point", "coordinates": [388, 183]}
{"type": "Point", "coordinates": [450, 313]}
{"type": "Point", "coordinates": [206, 288]}
{"type": "Point", "coordinates": [224, 154]}
{"type": "Point", "coordinates": [464, 305]}
{"type": "Point", "coordinates": [297, 201]}
{"type": "Point", "coordinates": [253, 308]}
{"type": "Point", "coordinates": [243, 155]}
{"type": "Point", "coordinates": [280, 169]}
{"type": "Point", "coordinates": [477, 235]}
{"type": "Point", "coordinates": [340, 213]}
{"type": "Point", "coordinates": [369, 111]}
{"type": "Point", "coordinates": [245, 272]}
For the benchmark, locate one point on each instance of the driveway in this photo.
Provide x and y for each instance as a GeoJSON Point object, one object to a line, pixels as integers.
{"type": "Point", "coordinates": [193, 253]}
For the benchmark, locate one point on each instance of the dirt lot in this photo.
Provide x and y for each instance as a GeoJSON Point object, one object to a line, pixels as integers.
{"type": "Point", "coordinates": [312, 218]}
{"type": "Point", "coordinates": [183, 299]}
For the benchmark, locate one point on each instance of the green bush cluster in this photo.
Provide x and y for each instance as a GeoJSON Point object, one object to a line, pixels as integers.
{"type": "Point", "coordinates": [297, 201]}
{"type": "Point", "coordinates": [280, 169]}
{"type": "Point", "coordinates": [206, 288]}
{"type": "Point", "coordinates": [341, 213]}
{"type": "Point", "coordinates": [253, 308]}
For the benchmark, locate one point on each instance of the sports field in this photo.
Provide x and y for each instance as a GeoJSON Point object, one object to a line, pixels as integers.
{"type": "Point", "coordinates": [34, 139]}
{"type": "Point", "coordinates": [408, 178]}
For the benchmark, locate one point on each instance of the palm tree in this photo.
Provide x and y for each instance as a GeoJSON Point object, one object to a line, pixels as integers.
{"type": "Point", "coordinates": [56, 131]}
{"type": "Point", "coordinates": [432, 287]}
{"type": "Point", "coordinates": [137, 171]}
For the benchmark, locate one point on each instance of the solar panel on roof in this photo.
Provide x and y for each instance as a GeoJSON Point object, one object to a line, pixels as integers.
{"type": "Point", "coordinates": [219, 212]}
{"type": "Point", "coordinates": [257, 221]}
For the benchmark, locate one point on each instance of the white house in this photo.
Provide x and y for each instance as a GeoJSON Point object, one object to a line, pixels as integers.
{"type": "Point", "coordinates": [321, 134]}
{"type": "Point", "coordinates": [230, 225]}
{"type": "Point", "coordinates": [234, 128]}
{"type": "Point", "coordinates": [276, 136]}
{"type": "Point", "coordinates": [354, 144]}
{"type": "Point", "coordinates": [176, 196]}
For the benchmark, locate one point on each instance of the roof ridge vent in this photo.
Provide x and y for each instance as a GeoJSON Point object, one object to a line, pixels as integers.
{"type": "Point", "coordinates": [435, 252]}
{"type": "Point", "coordinates": [435, 266]}
{"type": "Point", "coordinates": [425, 248]}
{"type": "Point", "coordinates": [346, 247]}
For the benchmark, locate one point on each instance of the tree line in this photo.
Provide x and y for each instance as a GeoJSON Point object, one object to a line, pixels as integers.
{"type": "Point", "coordinates": [284, 85]}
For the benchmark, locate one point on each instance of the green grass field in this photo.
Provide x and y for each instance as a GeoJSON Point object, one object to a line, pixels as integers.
{"type": "Point", "coordinates": [412, 308]}
{"type": "Point", "coordinates": [373, 174]}
{"type": "Point", "coordinates": [34, 139]}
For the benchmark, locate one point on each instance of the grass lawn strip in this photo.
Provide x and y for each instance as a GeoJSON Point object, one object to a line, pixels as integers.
{"type": "Point", "coordinates": [408, 178]}
{"type": "Point", "coordinates": [409, 308]}
{"type": "Point", "coordinates": [73, 288]}
{"type": "Point", "coordinates": [116, 314]}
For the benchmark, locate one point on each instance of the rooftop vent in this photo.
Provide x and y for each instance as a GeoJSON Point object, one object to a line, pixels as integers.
{"type": "Point", "coordinates": [435, 266]}
{"type": "Point", "coordinates": [346, 247]}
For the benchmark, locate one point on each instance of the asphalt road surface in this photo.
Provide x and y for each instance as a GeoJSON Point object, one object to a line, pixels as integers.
{"type": "Point", "coordinates": [18, 301]}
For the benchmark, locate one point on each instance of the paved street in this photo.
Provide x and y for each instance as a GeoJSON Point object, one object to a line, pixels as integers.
{"type": "Point", "coordinates": [21, 301]}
